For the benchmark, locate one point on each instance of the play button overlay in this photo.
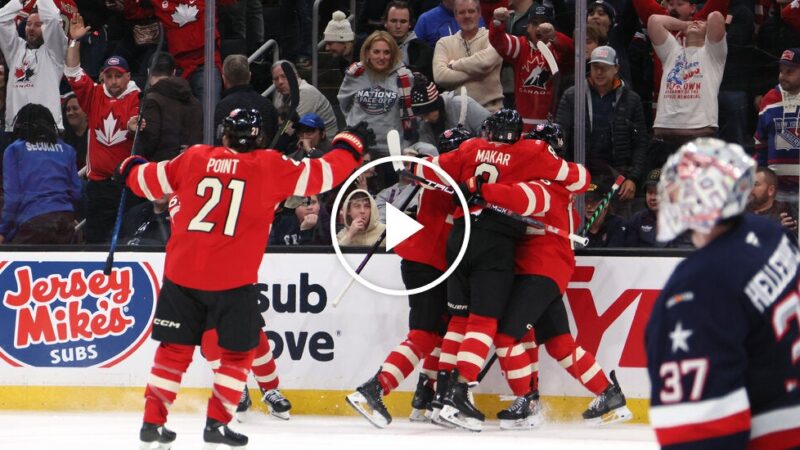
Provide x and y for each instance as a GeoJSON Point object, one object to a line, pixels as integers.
{"type": "Point", "coordinates": [399, 226]}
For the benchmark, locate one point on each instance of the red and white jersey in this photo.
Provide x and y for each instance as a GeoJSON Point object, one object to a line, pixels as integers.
{"type": "Point", "coordinates": [534, 87]}
{"type": "Point", "coordinates": [790, 14]}
{"type": "Point", "coordinates": [223, 204]}
{"type": "Point", "coordinates": [541, 253]}
{"type": "Point", "coordinates": [428, 245]}
{"type": "Point", "coordinates": [109, 141]}
{"type": "Point", "coordinates": [524, 160]}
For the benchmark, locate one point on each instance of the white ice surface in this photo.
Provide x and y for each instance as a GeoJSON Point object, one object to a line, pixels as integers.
{"type": "Point", "coordinates": [112, 431]}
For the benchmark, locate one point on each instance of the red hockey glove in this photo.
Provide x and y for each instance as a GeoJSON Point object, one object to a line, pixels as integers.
{"type": "Point", "coordinates": [355, 139]}
{"type": "Point", "coordinates": [471, 188]}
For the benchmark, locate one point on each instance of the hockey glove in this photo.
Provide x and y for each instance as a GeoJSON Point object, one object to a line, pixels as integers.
{"type": "Point", "coordinates": [356, 139]}
{"type": "Point", "coordinates": [125, 167]}
{"type": "Point", "coordinates": [471, 188]}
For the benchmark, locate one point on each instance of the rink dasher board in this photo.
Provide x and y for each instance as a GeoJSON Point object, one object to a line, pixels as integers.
{"type": "Point", "coordinates": [321, 351]}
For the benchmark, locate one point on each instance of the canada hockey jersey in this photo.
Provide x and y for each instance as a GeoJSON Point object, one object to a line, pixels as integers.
{"type": "Point", "coordinates": [778, 139]}
{"type": "Point", "coordinates": [223, 204]}
{"type": "Point", "coordinates": [428, 245]}
{"type": "Point", "coordinates": [723, 344]}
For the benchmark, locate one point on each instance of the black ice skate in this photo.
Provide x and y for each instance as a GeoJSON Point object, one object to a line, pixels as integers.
{"type": "Point", "coordinates": [368, 401]}
{"type": "Point", "coordinates": [421, 403]}
{"type": "Point", "coordinates": [217, 433]}
{"type": "Point", "coordinates": [524, 414]}
{"type": "Point", "coordinates": [459, 406]}
{"type": "Point", "coordinates": [442, 385]}
{"type": "Point", "coordinates": [244, 404]}
{"type": "Point", "coordinates": [152, 436]}
{"type": "Point", "coordinates": [277, 404]}
{"type": "Point", "coordinates": [608, 407]}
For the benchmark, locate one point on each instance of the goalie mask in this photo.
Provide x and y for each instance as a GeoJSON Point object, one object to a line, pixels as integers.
{"type": "Point", "coordinates": [243, 127]}
{"type": "Point", "coordinates": [452, 138]}
{"type": "Point", "coordinates": [705, 181]}
{"type": "Point", "coordinates": [548, 132]}
{"type": "Point", "coordinates": [503, 126]}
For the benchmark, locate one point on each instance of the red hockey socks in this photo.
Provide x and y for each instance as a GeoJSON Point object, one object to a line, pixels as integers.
{"type": "Point", "coordinates": [529, 344]}
{"type": "Point", "coordinates": [579, 363]}
{"type": "Point", "coordinates": [264, 369]}
{"type": "Point", "coordinates": [229, 381]}
{"type": "Point", "coordinates": [514, 362]}
{"type": "Point", "coordinates": [477, 342]}
{"type": "Point", "coordinates": [452, 342]}
{"type": "Point", "coordinates": [405, 357]}
{"type": "Point", "coordinates": [171, 362]}
{"type": "Point", "coordinates": [431, 362]}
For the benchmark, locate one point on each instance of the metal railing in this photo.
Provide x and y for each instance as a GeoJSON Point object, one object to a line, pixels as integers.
{"type": "Point", "coordinates": [276, 56]}
{"type": "Point", "coordinates": [315, 36]}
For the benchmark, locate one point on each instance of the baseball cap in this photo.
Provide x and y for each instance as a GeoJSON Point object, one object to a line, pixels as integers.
{"type": "Point", "coordinates": [652, 178]}
{"type": "Point", "coordinates": [597, 189]}
{"type": "Point", "coordinates": [540, 13]}
{"type": "Point", "coordinates": [790, 57]}
{"type": "Point", "coordinates": [117, 63]}
{"type": "Point", "coordinates": [604, 55]}
{"type": "Point", "coordinates": [311, 120]}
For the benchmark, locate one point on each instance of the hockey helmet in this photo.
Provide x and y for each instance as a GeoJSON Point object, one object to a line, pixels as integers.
{"type": "Point", "coordinates": [707, 180]}
{"type": "Point", "coordinates": [452, 138]}
{"type": "Point", "coordinates": [550, 132]}
{"type": "Point", "coordinates": [244, 129]}
{"type": "Point", "coordinates": [503, 126]}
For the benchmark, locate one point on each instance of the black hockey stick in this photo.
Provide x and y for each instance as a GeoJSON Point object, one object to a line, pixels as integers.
{"type": "Point", "coordinates": [504, 211]}
{"type": "Point", "coordinates": [603, 203]}
{"type": "Point", "coordinates": [124, 197]}
{"type": "Point", "coordinates": [294, 100]}
{"type": "Point", "coordinates": [487, 367]}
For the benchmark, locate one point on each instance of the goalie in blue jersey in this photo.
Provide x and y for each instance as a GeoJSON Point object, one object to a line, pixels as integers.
{"type": "Point", "coordinates": [723, 341]}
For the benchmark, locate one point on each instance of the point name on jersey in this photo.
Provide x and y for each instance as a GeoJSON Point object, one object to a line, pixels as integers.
{"type": "Point", "coordinates": [222, 165]}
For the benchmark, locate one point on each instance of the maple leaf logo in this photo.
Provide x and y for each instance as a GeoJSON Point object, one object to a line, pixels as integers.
{"type": "Point", "coordinates": [24, 73]}
{"type": "Point", "coordinates": [184, 14]}
{"type": "Point", "coordinates": [109, 135]}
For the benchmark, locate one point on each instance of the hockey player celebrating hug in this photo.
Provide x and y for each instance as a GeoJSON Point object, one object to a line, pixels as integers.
{"type": "Point", "coordinates": [222, 206]}
{"type": "Point", "coordinates": [723, 345]}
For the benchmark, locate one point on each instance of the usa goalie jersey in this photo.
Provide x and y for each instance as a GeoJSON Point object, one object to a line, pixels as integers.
{"type": "Point", "coordinates": [723, 344]}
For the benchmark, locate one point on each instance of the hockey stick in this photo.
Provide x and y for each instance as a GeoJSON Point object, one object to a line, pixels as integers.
{"type": "Point", "coordinates": [504, 211]}
{"type": "Point", "coordinates": [294, 99]}
{"type": "Point", "coordinates": [462, 113]}
{"type": "Point", "coordinates": [124, 197]}
{"type": "Point", "coordinates": [488, 366]}
{"type": "Point", "coordinates": [617, 183]}
{"type": "Point", "coordinates": [551, 61]}
{"type": "Point", "coordinates": [393, 141]}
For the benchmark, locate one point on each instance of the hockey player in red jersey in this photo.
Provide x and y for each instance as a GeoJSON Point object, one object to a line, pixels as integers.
{"type": "Point", "coordinates": [479, 288]}
{"type": "Point", "coordinates": [544, 263]}
{"type": "Point", "coordinates": [423, 262]}
{"type": "Point", "coordinates": [723, 339]}
{"type": "Point", "coordinates": [223, 202]}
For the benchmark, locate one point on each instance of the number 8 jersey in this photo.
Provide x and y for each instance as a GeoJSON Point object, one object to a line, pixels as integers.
{"type": "Point", "coordinates": [723, 344]}
{"type": "Point", "coordinates": [223, 205]}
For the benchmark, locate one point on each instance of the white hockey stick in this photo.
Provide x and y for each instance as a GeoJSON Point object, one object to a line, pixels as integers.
{"type": "Point", "coordinates": [548, 56]}
{"type": "Point", "coordinates": [462, 113]}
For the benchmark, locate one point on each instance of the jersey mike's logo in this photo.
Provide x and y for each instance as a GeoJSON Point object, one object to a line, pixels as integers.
{"type": "Point", "coordinates": [69, 314]}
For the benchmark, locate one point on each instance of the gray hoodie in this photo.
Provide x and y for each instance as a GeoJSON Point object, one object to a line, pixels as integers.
{"type": "Point", "coordinates": [366, 95]}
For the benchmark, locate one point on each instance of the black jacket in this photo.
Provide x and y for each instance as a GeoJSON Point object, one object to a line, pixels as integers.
{"type": "Point", "coordinates": [173, 120]}
{"type": "Point", "coordinates": [246, 97]}
{"type": "Point", "coordinates": [629, 139]}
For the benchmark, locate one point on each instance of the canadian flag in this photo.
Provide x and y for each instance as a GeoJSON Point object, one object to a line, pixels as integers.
{"type": "Point", "coordinates": [110, 135]}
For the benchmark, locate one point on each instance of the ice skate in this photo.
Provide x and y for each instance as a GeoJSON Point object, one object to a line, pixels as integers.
{"type": "Point", "coordinates": [368, 401]}
{"type": "Point", "coordinates": [277, 404]}
{"type": "Point", "coordinates": [244, 404]}
{"type": "Point", "coordinates": [459, 406]}
{"type": "Point", "coordinates": [152, 436]}
{"type": "Point", "coordinates": [608, 407]}
{"type": "Point", "coordinates": [524, 414]}
{"type": "Point", "coordinates": [442, 384]}
{"type": "Point", "coordinates": [421, 403]}
{"type": "Point", "coordinates": [217, 433]}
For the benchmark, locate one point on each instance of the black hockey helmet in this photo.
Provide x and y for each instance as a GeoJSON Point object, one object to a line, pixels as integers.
{"type": "Point", "coordinates": [550, 132]}
{"type": "Point", "coordinates": [244, 129]}
{"type": "Point", "coordinates": [451, 138]}
{"type": "Point", "coordinates": [503, 126]}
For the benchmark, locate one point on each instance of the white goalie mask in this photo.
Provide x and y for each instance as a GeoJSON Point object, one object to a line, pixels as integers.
{"type": "Point", "coordinates": [705, 181]}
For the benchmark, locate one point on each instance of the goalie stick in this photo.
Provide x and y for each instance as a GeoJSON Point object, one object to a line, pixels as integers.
{"type": "Point", "coordinates": [294, 99]}
{"type": "Point", "coordinates": [124, 197]}
{"type": "Point", "coordinates": [393, 142]}
{"type": "Point", "coordinates": [603, 203]}
{"type": "Point", "coordinates": [504, 211]}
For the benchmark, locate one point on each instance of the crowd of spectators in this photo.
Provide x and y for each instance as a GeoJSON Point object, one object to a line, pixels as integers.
{"type": "Point", "coordinates": [657, 75]}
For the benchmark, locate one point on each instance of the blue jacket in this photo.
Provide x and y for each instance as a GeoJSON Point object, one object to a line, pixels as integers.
{"type": "Point", "coordinates": [437, 23]}
{"type": "Point", "coordinates": [37, 179]}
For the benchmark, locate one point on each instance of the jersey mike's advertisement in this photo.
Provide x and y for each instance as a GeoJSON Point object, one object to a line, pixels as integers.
{"type": "Point", "coordinates": [69, 314]}
{"type": "Point", "coordinates": [63, 323]}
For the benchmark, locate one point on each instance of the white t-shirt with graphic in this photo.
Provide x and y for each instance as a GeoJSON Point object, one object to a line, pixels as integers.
{"type": "Point", "coordinates": [689, 84]}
